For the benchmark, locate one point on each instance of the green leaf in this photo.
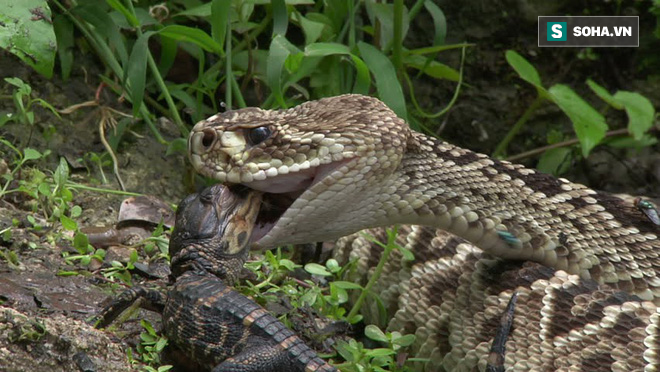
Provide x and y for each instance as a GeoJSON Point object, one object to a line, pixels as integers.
{"type": "Point", "coordinates": [203, 10]}
{"type": "Point", "coordinates": [68, 223]}
{"type": "Point", "coordinates": [277, 55]}
{"type": "Point", "coordinates": [31, 154]}
{"type": "Point", "coordinates": [220, 15]}
{"type": "Point", "coordinates": [316, 269]}
{"type": "Point", "coordinates": [288, 264]}
{"type": "Point", "coordinates": [26, 30]}
{"type": "Point", "coordinates": [136, 73]}
{"type": "Point", "coordinates": [640, 112]}
{"type": "Point", "coordinates": [280, 17]}
{"type": "Point", "coordinates": [405, 340]}
{"type": "Point", "coordinates": [61, 174]}
{"type": "Point", "coordinates": [192, 35]}
{"type": "Point", "coordinates": [148, 327]}
{"type": "Point", "coordinates": [326, 49]}
{"type": "Point", "coordinates": [431, 68]}
{"type": "Point", "coordinates": [293, 62]}
{"type": "Point", "coordinates": [81, 243]}
{"type": "Point", "coordinates": [385, 15]}
{"type": "Point", "coordinates": [44, 189]}
{"type": "Point", "coordinates": [604, 94]}
{"type": "Point", "coordinates": [380, 352]}
{"type": "Point", "coordinates": [346, 285]}
{"type": "Point", "coordinates": [178, 145]}
{"type": "Point", "coordinates": [439, 48]}
{"type": "Point", "coordinates": [555, 161]}
{"type": "Point", "coordinates": [363, 78]}
{"type": "Point", "coordinates": [64, 32]}
{"type": "Point", "coordinates": [375, 333]}
{"type": "Point", "coordinates": [629, 142]}
{"type": "Point", "coordinates": [6, 117]}
{"type": "Point", "coordinates": [387, 83]}
{"type": "Point", "coordinates": [407, 254]}
{"type": "Point", "coordinates": [105, 26]}
{"type": "Point", "coordinates": [76, 211]}
{"type": "Point", "coordinates": [524, 69]}
{"type": "Point", "coordinates": [168, 53]}
{"type": "Point", "coordinates": [130, 17]}
{"type": "Point", "coordinates": [439, 22]}
{"type": "Point", "coordinates": [311, 29]}
{"type": "Point", "coordinates": [346, 351]}
{"type": "Point", "coordinates": [67, 273]}
{"type": "Point", "coordinates": [589, 124]}
{"type": "Point", "coordinates": [24, 89]}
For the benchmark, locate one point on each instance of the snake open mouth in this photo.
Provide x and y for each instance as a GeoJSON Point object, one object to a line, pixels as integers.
{"type": "Point", "coordinates": [282, 191]}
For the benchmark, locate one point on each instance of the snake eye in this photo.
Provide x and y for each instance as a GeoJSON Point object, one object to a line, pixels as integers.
{"type": "Point", "coordinates": [258, 135]}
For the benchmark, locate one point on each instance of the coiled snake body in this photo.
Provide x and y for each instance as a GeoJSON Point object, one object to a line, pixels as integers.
{"type": "Point", "coordinates": [338, 165]}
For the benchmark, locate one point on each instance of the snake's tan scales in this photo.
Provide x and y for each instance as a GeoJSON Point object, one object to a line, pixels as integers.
{"type": "Point", "coordinates": [589, 301]}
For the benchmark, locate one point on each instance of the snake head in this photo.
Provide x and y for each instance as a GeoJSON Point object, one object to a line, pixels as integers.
{"type": "Point", "coordinates": [329, 146]}
{"type": "Point", "coordinates": [212, 231]}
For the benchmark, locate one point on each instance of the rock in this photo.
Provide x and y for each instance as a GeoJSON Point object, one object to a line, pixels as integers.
{"type": "Point", "coordinates": [50, 344]}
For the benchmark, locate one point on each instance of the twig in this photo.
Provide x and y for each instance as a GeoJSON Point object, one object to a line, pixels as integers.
{"type": "Point", "coordinates": [501, 147]}
{"type": "Point", "coordinates": [526, 154]}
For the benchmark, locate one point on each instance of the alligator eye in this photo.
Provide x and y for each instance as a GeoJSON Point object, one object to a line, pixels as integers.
{"type": "Point", "coordinates": [258, 135]}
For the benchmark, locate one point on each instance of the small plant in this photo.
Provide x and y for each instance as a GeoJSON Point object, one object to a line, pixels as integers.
{"type": "Point", "coordinates": [28, 330]}
{"type": "Point", "coordinates": [149, 350]}
{"type": "Point", "coordinates": [330, 300]}
{"type": "Point", "coordinates": [11, 258]}
{"type": "Point", "coordinates": [387, 358]}
{"type": "Point", "coordinates": [589, 124]}
{"type": "Point", "coordinates": [24, 104]}
{"type": "Point", "coordinates": [121, 271]}
{"type": "Point", "coordinates": [158, 244]}
{"type": "Point", "coordinates": [101, 161]}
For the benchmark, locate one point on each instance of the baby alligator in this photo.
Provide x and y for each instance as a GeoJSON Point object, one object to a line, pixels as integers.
{"type": "Point", "coordinates": [210, 323]}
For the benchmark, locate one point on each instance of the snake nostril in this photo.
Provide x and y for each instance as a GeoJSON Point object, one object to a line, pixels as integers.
{"type": "Point", "coordinates": [209, 137]}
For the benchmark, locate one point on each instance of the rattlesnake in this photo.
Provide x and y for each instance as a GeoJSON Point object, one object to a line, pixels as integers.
{"type": "Point", "coordinates": [338, 165]}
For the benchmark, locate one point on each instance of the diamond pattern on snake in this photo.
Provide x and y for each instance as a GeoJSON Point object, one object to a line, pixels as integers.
{"type": "Point", "coordinates": [583, 263]}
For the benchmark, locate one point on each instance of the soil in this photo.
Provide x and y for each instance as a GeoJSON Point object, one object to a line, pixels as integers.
{"type": "Point", "coordinates": [42, 315]}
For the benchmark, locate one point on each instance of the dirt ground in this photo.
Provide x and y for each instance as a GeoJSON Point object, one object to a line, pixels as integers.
{"type": "Point", "coordinates": [42, 315]}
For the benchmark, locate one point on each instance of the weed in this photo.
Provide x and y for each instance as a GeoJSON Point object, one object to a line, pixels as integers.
{"type": "Point", "coordinates": [27, 330]}
{"type": "Point", "coordinates": [387, 358]}
{"type": "Point", "coordinates": [589, 124]}
{"type": "Point", "coordinates": [149, 350]}
{"type": "Point", "coordinates": [11, 258]}
{"type": "Point", "coordinates": [24, 104]}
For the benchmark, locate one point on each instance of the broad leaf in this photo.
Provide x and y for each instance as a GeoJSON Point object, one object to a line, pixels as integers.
{"type": "Point", "coordinates": [280, 17]}
{"type": "Point", "coordinates": [136, 72]}
{"type": "Point", "coordinates": [277, 55]}
{"type": "Point", "coordinates": [589, 124]}
{"type": "Point", "coordinates": [387, 83]}
{"type": "Point", "coordinates": [220, 15]}
{"type": "Point", "coordinates": [604, 94]}
{"type": "Point", "coordinates": [26, 30]}
{"type": "Point", "coordinates": [193, 35]}
{"type": "Point", "coordinates": [431, 68]}
{"type": "Point", "coordinates": [524, 69]}
{"type": "Point", "coordinates": [640, 112]}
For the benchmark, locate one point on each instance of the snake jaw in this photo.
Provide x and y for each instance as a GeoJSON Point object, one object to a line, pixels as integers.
{"type": "Point", "coordinates": [306, 154]}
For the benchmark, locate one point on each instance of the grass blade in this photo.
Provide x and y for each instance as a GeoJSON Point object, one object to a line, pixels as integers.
{"type": "Point", "coordinates": [389, 88]}
{"type": "Point", "coordinates": [277, 55]}
{"type": "Point", "coordinates": [280, 17]}
{"type": "Point", "coordinates": [136, 73]}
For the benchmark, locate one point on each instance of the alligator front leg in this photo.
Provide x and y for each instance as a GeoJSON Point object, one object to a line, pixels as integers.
{"type": "Point", "coordinates": [152, 299]}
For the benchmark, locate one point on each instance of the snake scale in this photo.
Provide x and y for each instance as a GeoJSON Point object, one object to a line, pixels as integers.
{"type": "Point", "coordinates": [584, 264]}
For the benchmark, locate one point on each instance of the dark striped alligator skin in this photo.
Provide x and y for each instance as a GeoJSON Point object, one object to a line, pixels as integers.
{"type": "Point", "coordinates": [214, 326]}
